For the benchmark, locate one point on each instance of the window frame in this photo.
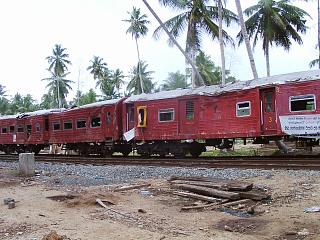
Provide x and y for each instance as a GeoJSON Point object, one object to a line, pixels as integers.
{"type": "Point", "coordinates": [188, 116]}
{"type": "Point", "coordinates": [64, 126]}
{"type": "Point", "coordinates": [237, 109]}
{"type": "Point", "coordinates": [297, 96]}
{"type": "Point", "coordinates": [6, 130]}
{"type": "Point", "coordinates": [38, 127]}
{"type": "Point", "coordinates": [54, 123]}
{"type": "Point", "coordinates": [10, 129]}
{"type": "Point", "coordinates": [81, 120]}
{"type": "Point", "coordinates": [20, 127]}
{"type": "Point", "coordinates": [93, 117]}
{"type": "Point", "coordinates": [166, 111]}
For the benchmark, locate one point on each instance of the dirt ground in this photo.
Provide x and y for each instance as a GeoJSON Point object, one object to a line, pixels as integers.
{"type": "Point", "coordinates": [152, 212]}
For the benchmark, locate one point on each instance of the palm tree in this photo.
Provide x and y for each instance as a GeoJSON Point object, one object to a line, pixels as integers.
{"type": "Point", "coordinates": [58, 64]}
{"type": "Point", "coordinates": [2, 91]}
{"type": "Point", "coordinates": [117, 79]}
{"type": "Point", "coordinates": [314, 62]}
{"type": "Point", "coordinates": [59, 87]}
{"type": "Point", "coordinates": [274, 22]}
{"type": "Point", "coordinates": [97, 67]}
{"type": "Point", "coordinates": [210, 73]}
{"type": "Point", "coordinates": [198, 18]}
{"type": "Point", "coordinates": [174, 80]}
{"type": "Point", "coordinates": [138, 28]}
{"type": "Point", "coordinates": [134, 86]}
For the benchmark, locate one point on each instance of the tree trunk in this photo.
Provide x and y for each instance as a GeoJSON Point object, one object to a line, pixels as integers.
{"type": "Point", "coordinates": [223, 67]}
{"type": "Point", "coordinates": [319, 33]}
{"type": "Point", "coordinates": [175, 42]}
{"type": "Point", "coordinates": [268, 60]}
{"type": "Point", "coordinates": [246, 39]}
{"type": "Point", "coordinates": [139, 67]}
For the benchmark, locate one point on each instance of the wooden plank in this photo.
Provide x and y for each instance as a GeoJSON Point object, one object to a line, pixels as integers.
{"type": "Point", "coordinates": [126, 188]}
{"type": "Point", "coordinates": [232, 185]}
{"type": "Point", "coordinates": [198, 197]}
{"type": "Point", "coordinates": [208, 191]}
{"type": "Point", "coordinates": [254, 195]}
{"type": "Point", "coordinates": [198, 207]}
{"type": "Point", "coordinates": [242, 201]}
{"type": "Point", "coordinates": [227, 186]}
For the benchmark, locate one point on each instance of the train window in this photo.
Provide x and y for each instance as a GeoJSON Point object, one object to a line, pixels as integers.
{"type": "Point", "coordinates": [95, 122]}
{"type": "Point", "coordinates": [189, 110]}
{"type": "Point", "coordinates": [38, 127]}
{"type": "Point", "coordinates": [11, 129]}
{"type": "Point", "coordinates": [268, 102]}
{"type": "Point", "coordinates": [67, 125]}
{"type": "Point", "coordinates": [166, 115]}
{"type": "Point", "coordinates": [56, 126]}
{"type": "Point", "coordinates": [29, 128]}
{"type": "Point", "coordinates": [20, 129]}
{"type": "Point", "coordinates": [4, 130]}
{"type": "Point", "coordinates": [109, 118]}
{"type": "Point", "coordinates": [243, 109]}
{"type": "Point", "coordinates": [81, 123]}
{"type": "Point", "coordinates": [302, 103]}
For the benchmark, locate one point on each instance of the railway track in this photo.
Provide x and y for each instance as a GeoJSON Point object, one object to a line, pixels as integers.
{"type": "Point", "coordinates": [261, 162]}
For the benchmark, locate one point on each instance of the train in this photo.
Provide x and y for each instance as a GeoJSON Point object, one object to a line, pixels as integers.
{"type": "Point", "coordinates": [177, 122]}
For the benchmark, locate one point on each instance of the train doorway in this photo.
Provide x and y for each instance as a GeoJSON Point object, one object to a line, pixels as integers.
{"type": "Point", "coordinates": [268, 111]}
{"type": "Point", "coordinates": [188, 116]}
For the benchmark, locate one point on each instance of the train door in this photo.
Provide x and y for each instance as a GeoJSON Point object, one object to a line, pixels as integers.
{"type": "Point", "coordinates": [188, 116]}
{"type": "Point", "coordinates": [109, 120]}
{"type": "Point", "coordinates": [129, 116]}
{"type": "Point", "coordinates": [268, 112]}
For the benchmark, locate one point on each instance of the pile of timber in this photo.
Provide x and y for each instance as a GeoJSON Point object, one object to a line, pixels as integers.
{"type": "Point", "coordinates": [216, 193]}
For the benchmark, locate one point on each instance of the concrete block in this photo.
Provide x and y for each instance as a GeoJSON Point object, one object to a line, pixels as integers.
{"type": "Point", "coordinates": [26, 164]}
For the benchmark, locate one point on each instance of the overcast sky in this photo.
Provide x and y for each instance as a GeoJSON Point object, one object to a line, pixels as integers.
{"type": "Point", "coordinates": [30, 29]}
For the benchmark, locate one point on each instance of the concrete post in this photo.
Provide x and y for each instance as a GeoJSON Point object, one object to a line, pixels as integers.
{"type": "Point", "coordinates": [26, 164]}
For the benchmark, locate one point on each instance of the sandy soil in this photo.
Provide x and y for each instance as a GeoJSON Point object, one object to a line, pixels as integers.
{"type": "Point", "coordinates": [152, 212]}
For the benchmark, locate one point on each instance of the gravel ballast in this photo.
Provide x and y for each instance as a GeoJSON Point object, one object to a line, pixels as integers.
{"type": "Point", "coordinates": [88, 175]}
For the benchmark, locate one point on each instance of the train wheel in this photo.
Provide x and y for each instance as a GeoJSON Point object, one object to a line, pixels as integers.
{"type": "Point", "coordinates": [195, 153]}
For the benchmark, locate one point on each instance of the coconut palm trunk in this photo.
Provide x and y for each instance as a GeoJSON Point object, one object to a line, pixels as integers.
{"type": "Point", "coordinates": [223, 67]}
{"type": "Point", "coordinates": [139, 67]}
{"type": "Point", "coordinates": [267, 59]}
{"type": "Point", "coordinates": [319, 33]}
{"type": "Point", "coordinates": [246, 40]}
{"type": "Point", "coordinates": [194, 68]}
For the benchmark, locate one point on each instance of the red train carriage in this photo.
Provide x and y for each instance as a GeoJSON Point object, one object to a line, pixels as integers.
{"type": "Point", "coordinates": [27, 132]}
{"type": "Point", "coordinates": [90, 129]}
{"type": "Point", "coordinates": [186, 121]}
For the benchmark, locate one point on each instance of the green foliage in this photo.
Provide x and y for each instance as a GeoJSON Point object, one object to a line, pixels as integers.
{"type": "Point", "coordinates": [138, 23]}
{"type": "Point", "coordinates": [197, 18]}
{"type": "Point", "coordinates": [86, 98]}
{"type": "Point", "coordinates": [21, 104]}
{"type": "Point", "coordinates": [97, 67]}
{"type": "Point", "coordinates": [210, 73]}
{"type": "Point", "coordinates": [175, 80]}
{"type": "Point", "coordinates": [314, 63]}
{"type": "Point", "coordinates": [134, 86]}
{"type": "Point", "coordinates": [58, 85]}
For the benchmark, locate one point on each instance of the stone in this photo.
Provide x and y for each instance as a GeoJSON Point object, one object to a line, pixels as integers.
{"type": "Point", "coordinates": [27, 164]}
{"type": "Point", "coordinates": [11, 205]}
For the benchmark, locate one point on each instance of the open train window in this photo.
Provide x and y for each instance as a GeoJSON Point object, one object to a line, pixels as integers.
{"type": "Point", "coordinates": [56, 126]}
{"type": "Point", "coordinates": [95, 122]}
{"type": "Point", "coordinates": [268, 102]}
{"type": "Point", "coordinates": [166, 115]}
{"type": "Point", "coordinates": [302, 103]}
{"type": "Point", "coordinates": [4, 130]}
{"type": "Point", "coordinates": [29, 128]}
{"type": "Point", "coordinates": [20, 128]}
{"type": "Point", "coordinates": [189, 110]}
{"type": "Point", "coordinates": [38, 127]}
{"type": "Point", "coordinates": [81, 123]}
{"type": "Point", "coordinates": [67, 125]}
{"type": "Point", "coordinates": [243, 109]}
{"type": "Point", "coordinates": [11, 129]}
{"type": "Point", "coordinates": [46, 124]}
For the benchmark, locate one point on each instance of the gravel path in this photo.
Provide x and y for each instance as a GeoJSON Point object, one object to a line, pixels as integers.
{"type": "Point", "coordinates": [88, 175]}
